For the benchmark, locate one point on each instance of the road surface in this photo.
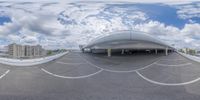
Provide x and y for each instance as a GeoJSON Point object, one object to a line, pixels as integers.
{"type": "Point", "coordinates": [82, 76]}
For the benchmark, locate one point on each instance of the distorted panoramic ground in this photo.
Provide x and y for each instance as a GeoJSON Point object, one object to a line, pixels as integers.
{"type": "Point", "coordinates": [86, 76]}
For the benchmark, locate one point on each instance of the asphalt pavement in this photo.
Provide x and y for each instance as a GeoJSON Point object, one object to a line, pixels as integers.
{"type": "Point", "coordinates": [84, 76]}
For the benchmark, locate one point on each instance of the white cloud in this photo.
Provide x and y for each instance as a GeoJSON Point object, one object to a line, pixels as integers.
{"type": "Point", "coordinates": [187, 11]}
{"type": "Point", "coordinates": [84, 22]}
{"type": "Point", "coordinates": [88, 21]}
{"type": "Point", "coordinates": [134, 1]}
{"type": "Point", "coordinates": [187, 37]}
{"type": "Point", "coordinates": [13, 38]}
{"type": "Point", "coordinates": [28, 27]}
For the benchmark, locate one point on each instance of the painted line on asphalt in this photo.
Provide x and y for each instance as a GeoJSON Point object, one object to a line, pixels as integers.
{"type": "Point", "coordinates": [90, 63]}
{"type": "Point", "coordinates": [4, 74]}
{"type": "Point", "coordinates": [167, 84]}
{"type": "Point", "coordinates": [59, 62]}
{"type": "Point", "coordinates": [177, 65]}
{"type": "Point", "coordinates": [149, 65]}
{"type": "Point", "coordinates": [116, 71]}
{"type": "Point", "coordinates": [68, 77]}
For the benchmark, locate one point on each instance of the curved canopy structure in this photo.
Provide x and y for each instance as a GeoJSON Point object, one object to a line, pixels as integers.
{"type": "Point", "coordinates": [127, 40]}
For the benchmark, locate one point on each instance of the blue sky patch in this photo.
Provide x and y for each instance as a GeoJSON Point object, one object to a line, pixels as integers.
{"type": "Point", "coordinates": [4, 19]}
{"type": "Point", "coordinates": [157, 12]}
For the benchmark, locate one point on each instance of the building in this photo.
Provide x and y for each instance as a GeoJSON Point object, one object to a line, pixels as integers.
{"type": "Point", "coordinates": [189, 51]}
{"type": "Point", "coordinates": [198, 53]}
{"type": "Point", "coordinates": [4, 52]}
{"type": "Point", "coordinates": [13, 50]}
{"type": "Point", "coordinates": [25, 51]}
{"type": "Point", "coordinates": [123, 41]}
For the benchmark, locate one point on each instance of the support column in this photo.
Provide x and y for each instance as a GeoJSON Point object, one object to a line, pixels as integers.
{"type": "Point", "coordinates": [109, 52]}
{"type": "Point", "coordinates": [90, 50]}
{"type": "Point", "coordinates": [166, 51]}
{"type": "Point", "coordinates": [83, 50]}
{"type": "Point", "coordinates": [122, 51]}
{"type": "Point", "coordinates": [156, 51]}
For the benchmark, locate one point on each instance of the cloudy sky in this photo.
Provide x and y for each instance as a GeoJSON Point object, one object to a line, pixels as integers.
{"type": "Point", "coordinates": [66, 24]}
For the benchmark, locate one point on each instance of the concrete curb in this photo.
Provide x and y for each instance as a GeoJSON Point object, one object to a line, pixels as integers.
{"type": "Point", "coordinates": [194, 58]}
{"type": "Point", "coordinates": [30, 62]}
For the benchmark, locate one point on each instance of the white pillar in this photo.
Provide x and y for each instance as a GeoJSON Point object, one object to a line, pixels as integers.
{"type": "Point", "coordinates": [156, 51]}
{"type": "Point", "coordinates": [166, 51]}
{"type": "Point", "coordinates": [122, 51]}
{"type": "Point", "coordinates": [109, 52]}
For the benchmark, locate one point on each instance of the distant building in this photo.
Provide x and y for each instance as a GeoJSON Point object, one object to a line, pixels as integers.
{"type": "Point", "coordinates": [198, 53]}
{"type": "Point", "coordinates": [189, 51]}
{"type": "Point", "coordinates": [4, 52]}
{"type": "Point", "coordinates": [25, 51]}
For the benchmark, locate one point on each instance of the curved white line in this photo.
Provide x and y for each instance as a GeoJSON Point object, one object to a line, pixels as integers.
{"type": "Point", "coordinates": [67, 77]}
{"type": "Point", "coordinates": [173, 65]}
{"type": "Point", "coordinates": [167, 84]}
{"type": "Point", "coordinates": [90, 63]}
{"type": "Point", "coordinates": [4, 74]}
{"type": "Point", "coordinates": [148, 65]}
{"type": "Point", "coordinates": [115, 71]}
{"type": "Point", "coordinates": [131, 70]}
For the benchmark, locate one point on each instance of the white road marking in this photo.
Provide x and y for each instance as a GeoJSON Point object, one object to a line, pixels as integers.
{"type": "Point", "coordinates": [69, 63]}
{"type": "Point", "coordinates": [167, 84]}
{"type": "Point", "coordinates": [148, 65]}
{"type": "Point", "coordinates": [90, 62]}
{"type": "Point", "coordinates": [177, 65]}
{"type": "Point", "coordinates": [116, 71]}
{"type": "Point", "coordinates": [4, 74]}
{"type": "Point", "coordinates": [67, 77]}
{"type": "Point", "coordinates": [77, 77]}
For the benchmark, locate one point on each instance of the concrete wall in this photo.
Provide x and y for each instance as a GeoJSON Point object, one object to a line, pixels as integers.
{"type": "Point", "coordinates": [30, 62]}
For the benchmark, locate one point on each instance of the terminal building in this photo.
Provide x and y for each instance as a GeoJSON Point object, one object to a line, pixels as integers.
{"type": "Point", "coordinates": [127, 41]}
{"type": "Point", "coordinates": [25, 51]}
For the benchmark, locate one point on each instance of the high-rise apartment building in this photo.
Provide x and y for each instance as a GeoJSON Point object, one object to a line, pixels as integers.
{"type": "Point", "coordinates": [25, 51]}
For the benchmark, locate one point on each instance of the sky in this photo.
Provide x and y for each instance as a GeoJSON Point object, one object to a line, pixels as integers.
{"type": "Point", "coordinates": [67, 24]}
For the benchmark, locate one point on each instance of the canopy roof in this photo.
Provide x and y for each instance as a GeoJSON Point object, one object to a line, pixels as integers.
{"type": "Point", "coordinates": [123, 37]}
